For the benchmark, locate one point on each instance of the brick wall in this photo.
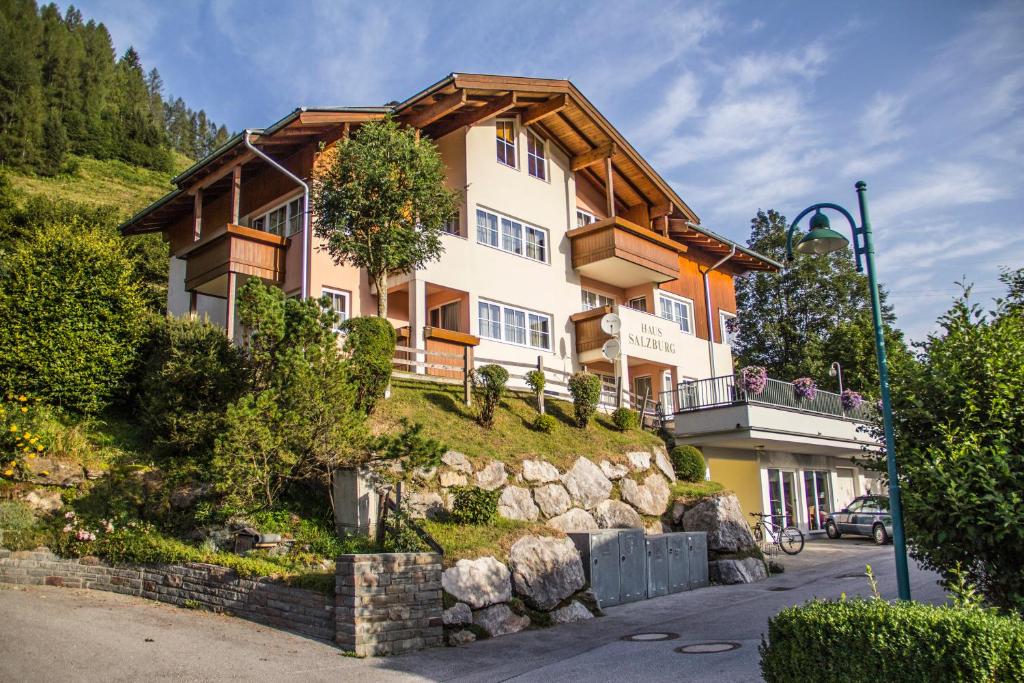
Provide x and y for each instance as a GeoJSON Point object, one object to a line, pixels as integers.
{"type": "Point", "coordinates": [389, 603]}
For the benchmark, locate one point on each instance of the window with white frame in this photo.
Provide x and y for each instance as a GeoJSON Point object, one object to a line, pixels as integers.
{"type": "Point", "coordinates": [452, 226]}
{"type": "Point", "coordinates": [284, 219]}
{"type": "Point", "coordinates": [678, 310]}
{"type": "Point", "coordinates": [505, 137]}
{"type": "Point", "coordinates": [729, 327]}
{"type": "Point", "coordinates": [584, 218]}
{"type": "Point", "coordinates": [339, 304]}
{"type": "Point", "coordinates": [514, 325]}
{"type": "Point", "coordinates": [446, 316]}
{"type": "Point", "coordinates": [593, 300]}
{"type": "Point", "coordinates": [536, 155]}
{"type": "Point", "coordinates": [515, 237]}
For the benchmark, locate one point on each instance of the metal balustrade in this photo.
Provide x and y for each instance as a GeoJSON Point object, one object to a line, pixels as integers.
{"type": "Point", "coordinates": [726, 390]}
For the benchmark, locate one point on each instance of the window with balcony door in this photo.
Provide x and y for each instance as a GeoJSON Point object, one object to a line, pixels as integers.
{"type": "Point", "coordinates": [514, 325]}
{"type": "Point", "coordinates": [818, 499]}
{"type": "Point", "coordinates": [339, 304]}
{"type": "Point", "coordinates": [678, 310]}
{"type": "Point", "coordinates": [591, 300]}
{"type": "Point", "coordinates": [452, 226]}
{"type": "Point", "coordinates": [446, 316]}
{"type": "Point", "coordinates": [505, 137]}
{"type": "Point", "coordinates": [536, 156]}
{"type": "Point", "coordinates": [584, 218]}
{"type": "Point", "coordinates": [638, 303]}
{"type": "Point", "coordinates": [283, 220]}
{"type": "Point", "coordinates": [729, 330]}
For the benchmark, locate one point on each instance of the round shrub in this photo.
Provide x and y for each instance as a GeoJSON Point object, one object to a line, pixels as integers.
{"type": "Point", "coordinates": [71, 316]}
{"type": "Point", "coordinates": [545, 423]}
{"type": "Point", "coordinates": [625, 419]}
{"type": "Point", "coordinates": [370, 345]}
{"type": "Point", "coordinates": [586, 392]}
{"type": "Point", "coordinates": [688, 462]}
{"type": "Point", "coordinates": [474, 505]}
{"type": "Point", "coordinates": [536, 380]}
{"type": "Point", "coordinates": [489, 385]}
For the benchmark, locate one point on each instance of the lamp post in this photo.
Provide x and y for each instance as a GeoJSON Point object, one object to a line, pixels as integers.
{"type": "Point", "coordinates": [823, 240]}
{"type": "Point", "coordinates": [837, 370]}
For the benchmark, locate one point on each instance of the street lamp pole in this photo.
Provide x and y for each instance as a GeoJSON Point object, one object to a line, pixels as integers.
{"type": "Point", "coordinates": [822, 240]}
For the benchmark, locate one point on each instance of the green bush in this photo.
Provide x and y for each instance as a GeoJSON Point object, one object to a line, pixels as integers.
{"type": "Point", "coordinates": [489, 386]}
{"type": "Point", "coordinates": [71, 316]}
{"type": "Point", "coordinates": [190, 373]}
{"type": "Point", "coordinates": [16, 516]}
{"type": "Point", "coordinates": [586, 392]}
{"type": "Point", "coordinates": [625, 419]}
{"type": "Point", "coordinates": [688, 462]}
{"type": "Point", "coordinates": [545, 423]}
{"type": "Point", "coordinates": [849, 641]}
{"type": "Point", "coordinates": [370, 345]}
{"type": "Point", "coordinates": [474, 505]}
{"type": "Point", "coordinates": [536, 380]}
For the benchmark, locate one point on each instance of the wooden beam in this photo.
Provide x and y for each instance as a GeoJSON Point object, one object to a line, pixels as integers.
{"type": "Point", "coordinates": [480, 114]}
{"type": "Point", "coordinates": [596, 155]}
{"type": "Point", "coordinates": [609, 188]}
{"type": "Point", "coordinates": [439, 109]}
{"type": "Point", "coordinates": [213, 177]}
{"type": "Point", "coordinates": [236, 193]}
{"type": "Point", "coordinates": [197, 214]}
{"type": "Point", "coordinates": [660, 210]}
{"type": "Point", "coordinates": [544, 109]}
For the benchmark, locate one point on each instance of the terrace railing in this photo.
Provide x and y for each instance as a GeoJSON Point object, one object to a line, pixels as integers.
{"type": "Point", "coordinates": [726, 390]}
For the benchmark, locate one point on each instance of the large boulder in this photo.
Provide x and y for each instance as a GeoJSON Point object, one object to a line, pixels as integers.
{"type": "Point", "coordinates": [664, 464]}
{"type": "Point", "coordinates": [457, 615]}
{"type": "Point", "coordinates": [447, 479]}
{"type": "Point", "coordinates": [457, 461]}
{"type": "Point", "coordinates": [478, 583]}
{"type": "Point", "coordinates": [613, 471]}
{"type": "Point", "coordinates": [552, 499]}
{"type": "Point", "coordinates": [516, 503]}
{"type": "Point", "coordinates": [639, 460]}
{"type": "Point", "coordinates": [586, 483]}
{"type": "Point", "coordinates": [53, 472]}
{"type": "Point", "coordinates": [545, 570]}
{"type": "Point", "coordinates": [499, 620]}
{"type": "Point", "coordinates": [571, 613]}
{"type": "Point", "coordinates": [461, 637]}
{"type": "Point", "coordinates": [730, 571]}
{"type": "Point", "coordinates": [614, 514]}
{"type": "Point", "coordinates": [650, 498]}
{"type": "Point", "coordinates": [722, 518]}
{"type": "Point", "coordinates": [43, 500]}
{"type": "Point", "coordinates": [539, 472]}
{"type": "Point", "coordinates": [493, 476]}
{"type": "Point", "coordinates": [574, 520]}
{"type": "Point", "coordinates": [425, 504]}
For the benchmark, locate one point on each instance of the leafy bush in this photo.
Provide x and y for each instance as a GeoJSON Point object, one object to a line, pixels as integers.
{"type": "Point", "coordinates": [410, 447]}
{"type": "Point", "coordinates": [370, 345]}
{"type": "Point", "coordinates": [71, 316]}
{"type": "Point", "coordinates": [489, 386]}
{"type": "Point", "coordinates": [625, 419]}
{"type": "Point", "coordinates": [190, 373]}
{"type": "Point", "coordinates": [688, 462]}
{"type": "Point", "coordinates": [586, 392]}
{"type": "Point", "coordinates": [874, 640]}
{"type": "Point", "coordinates": [536, 380]}
{"type": "Point", "coordinates": [16, 516]}
{"type": "Point", "coordinates": [474, 505]}
{"type": "Point", "coordinates": [545, 423]}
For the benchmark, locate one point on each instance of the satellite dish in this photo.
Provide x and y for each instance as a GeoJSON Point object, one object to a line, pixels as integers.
{"type": "Point", "coordinates": [611, 349]}
{"type": "Point", "coordinates": [611, 323]}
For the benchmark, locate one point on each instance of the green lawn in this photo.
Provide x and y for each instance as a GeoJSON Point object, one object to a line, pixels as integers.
{"type": "Point", "coordinates": [440, 409]}
{"type": "Point", "coordinates": [469, 541]}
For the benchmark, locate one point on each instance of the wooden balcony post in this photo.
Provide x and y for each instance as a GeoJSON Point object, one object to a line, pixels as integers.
{"type": "Point", "coordinates": [197, 215]}
{"type": "Point", "coordinates": [236, 193]}
{"type": "Point", "coordinates": [609, 186]}
{"type": "Point", "coordinates": [467, 374]}
{"type": "Point", "coordinates": [540, 395]}
{"type": "Point", "coordinates": [230, 313]}
{"type": "Point", "coordinates": [193, 304]}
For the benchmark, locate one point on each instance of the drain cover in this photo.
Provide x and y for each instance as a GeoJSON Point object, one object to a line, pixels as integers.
{"type": "Point", "coordinates": [649, 637]}
{"type": "Point", "coordinates": [781, 588]}
{"type": "Point", "coordinates": [706, 648]}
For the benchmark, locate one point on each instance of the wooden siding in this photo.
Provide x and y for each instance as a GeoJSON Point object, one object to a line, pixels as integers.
{"type": "Point", "coordinates": [690, 284]}
{"type": "Point", "coordinates": [589, 335]}
{"type": "Point", "coordinates": [617, 238]}
{"type": "Point", "coordinates": [235, 249]}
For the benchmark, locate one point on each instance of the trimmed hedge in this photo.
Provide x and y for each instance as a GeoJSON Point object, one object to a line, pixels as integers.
{"type": "Point", "coordinates": [474, 505]}
{"type": "Point", "coordinates": [626, 419]}
{"type": "Point", "coordinates": [688, 462]}
{"type": "Point", "coordinates": [489, 386]}
{"type": "Point", "coordinates": [872, 640]}
{"type": "Point", "coordinates": [586, 393]}
{"type": "Point", "coordinates": [370, 343]}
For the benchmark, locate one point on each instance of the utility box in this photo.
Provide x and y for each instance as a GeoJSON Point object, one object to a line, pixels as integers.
{"type": "Point", "coordinates": [657, 565]}
{"type": "Point", "coordinates": [678, 548]}
{"type": "Point", "coordinates": [632, 565]}
{"type": "Point", "coordinates": [356, 502]}
{"type": "Point", "coordinates": [599, 551]}
{"type": "Point", "coordinates": [697, 552]}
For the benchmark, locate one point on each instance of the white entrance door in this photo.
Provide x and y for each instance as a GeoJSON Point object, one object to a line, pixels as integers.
{"type": "Point", "coordinates": [667, 392]}
{"type": "Point", "coordinates": [782, 497]}
{"type": "Point", "coordinates": [845, 489]}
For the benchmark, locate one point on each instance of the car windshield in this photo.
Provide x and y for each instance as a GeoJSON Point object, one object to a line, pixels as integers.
{"type": "Point", "coordinates": [855, 505]}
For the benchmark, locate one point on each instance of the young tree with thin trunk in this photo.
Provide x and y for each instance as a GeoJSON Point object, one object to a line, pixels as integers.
{"type": "Point", "coordinates": [381, 203]}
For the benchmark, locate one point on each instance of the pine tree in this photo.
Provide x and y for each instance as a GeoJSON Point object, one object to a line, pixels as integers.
{"type": "Point", "coordinates": [55, 145]}
{"type": "Point", "coordinates": [21, 96]}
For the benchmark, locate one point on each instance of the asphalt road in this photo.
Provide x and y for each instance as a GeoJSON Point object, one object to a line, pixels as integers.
{"type": "Point", "coordinates": [51, 634]}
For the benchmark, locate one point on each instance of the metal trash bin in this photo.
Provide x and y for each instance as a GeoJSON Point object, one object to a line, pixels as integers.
{"type": "Point", "coordinates": [657, 565]}
{"type": "Point", "coordinates": [678, 547]}
{"type": "Point", "coordinates": [599, 551]}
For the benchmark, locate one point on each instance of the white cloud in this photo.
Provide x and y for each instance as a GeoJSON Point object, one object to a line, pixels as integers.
{"type": "Point", "coordinates": [680, 103]}
{"type": "Point", "coordinates": [946, 185]}
{"type": "Point", "coordinates": [880, 122]}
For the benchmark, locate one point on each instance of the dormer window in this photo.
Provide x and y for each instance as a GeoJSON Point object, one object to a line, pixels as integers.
{"type": "Point", "coordinates": [536, 155]}
{"type": "Point", "coordinates": [505, 132]}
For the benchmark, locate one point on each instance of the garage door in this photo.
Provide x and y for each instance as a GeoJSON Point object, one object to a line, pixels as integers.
{"type": "Point", "coordinates": [845, 491]}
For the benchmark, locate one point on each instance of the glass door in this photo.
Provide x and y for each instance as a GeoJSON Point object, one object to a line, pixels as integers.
{"type": "Point", "coordinates": [818, 499]}
{"type": "Point", "coordinates": [782, 497]}
{"type": "Point", "coordinates": [667, 393]}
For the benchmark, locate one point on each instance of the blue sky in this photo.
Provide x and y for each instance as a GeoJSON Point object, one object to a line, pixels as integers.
{"type": "Point", "coordinates": [739, 105]}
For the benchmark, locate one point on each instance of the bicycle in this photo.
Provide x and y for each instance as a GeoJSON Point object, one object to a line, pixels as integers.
{"type": "Point", "coordinates": [789, 539]}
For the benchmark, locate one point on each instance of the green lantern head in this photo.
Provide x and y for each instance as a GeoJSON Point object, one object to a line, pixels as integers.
{"type": "Point", "coordinates": [822, 239]}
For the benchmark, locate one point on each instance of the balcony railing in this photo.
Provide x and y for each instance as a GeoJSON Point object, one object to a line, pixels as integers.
{"type": "Point", "coordinates": [725, 390]}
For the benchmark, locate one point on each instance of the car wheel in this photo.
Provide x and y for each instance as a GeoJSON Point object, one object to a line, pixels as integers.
{"type": "Point", "coordinates": [832, 530]}
{"type": "Point", "coordinates": [880, 535]}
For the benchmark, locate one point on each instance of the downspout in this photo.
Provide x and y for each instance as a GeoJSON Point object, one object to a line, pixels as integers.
{"type": "Point", "coordinates": [305, 209]}
{"type": "Point", "coordinates": [707, 307]}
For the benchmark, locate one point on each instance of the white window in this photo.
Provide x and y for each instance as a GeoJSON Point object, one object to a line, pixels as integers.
{"type": "Point", "coordinates": [584, 218]}
{"type": "Point", "coordinates": [730, 331]}
{"type": "Point", "coordinates": [516, 237]}
{"type": "Point", "coordinates": [536, 156]}
{"type": "Point", "coordinates": [677, 310]}
{"type": "Point", "coordinates": [284, 220]}
{"type": "Point", "coordinates": [505, 130]}
{"type": "Point", "coordinates": [446, 316]}
{"type": "Point", "coordinates": [339, 304]}
{"type": "Point", "coordinates": [593, 300]}
{"type": "Point", "coordinates": [638, 304]}
{"type": "Point", "coordinates": [667, 393]}
{"type": "Point", "coordinates": [514, 325]}
{"type": "Point", "coordinates": [452, 226]}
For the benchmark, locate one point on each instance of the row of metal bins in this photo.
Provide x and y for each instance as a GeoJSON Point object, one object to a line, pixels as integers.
{"type": "Point", "coordinates": [622, 565]}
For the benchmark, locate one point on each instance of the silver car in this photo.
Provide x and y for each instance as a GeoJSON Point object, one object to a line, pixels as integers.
{"type": "Point", "coordinates": [865, 516]}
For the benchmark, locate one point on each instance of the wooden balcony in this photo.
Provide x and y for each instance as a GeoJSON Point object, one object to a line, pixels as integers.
{"type": "Point", "coordinates": [234, 249]}
{"type": "Point", "coordinates": [624, 254]}
{"type": "Point", "coordinates": [589, 335]}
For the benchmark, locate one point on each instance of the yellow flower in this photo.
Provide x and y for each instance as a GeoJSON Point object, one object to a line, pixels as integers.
{"type": "Point", "coordinates": [22, 398]}
{"type": "Point", "coordinates": [8, 473]}
{"type": "Point", "coordinates": [31, 456]}
{"type": "Point", "coordinates": [39, 448]}
{"type": "Point", "coordinates": [14, 428]}
{"type": "Point", "coordinates": [45, 473]}
{"type": "Point", "coordinates": [27, 435]}
{"type": "Point", "coordinates": [24, 409]}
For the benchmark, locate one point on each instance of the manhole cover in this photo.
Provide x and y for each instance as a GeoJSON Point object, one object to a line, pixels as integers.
{"type": "Point", "coordinates": [648, 637]}
{"type": "Point", "coordinates": [781, 588]}
{"type": "Point", "coordinates": [706, 648]}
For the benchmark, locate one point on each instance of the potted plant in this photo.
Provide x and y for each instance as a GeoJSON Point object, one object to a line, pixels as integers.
{"type": "Point", "coordinates": [850, 399]}
{"type": "Point", "coordinates": [805, 389]}
{"type": "Point", "coordinates": [753, 379]}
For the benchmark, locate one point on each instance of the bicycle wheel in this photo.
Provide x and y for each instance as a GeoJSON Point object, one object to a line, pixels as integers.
{"type": "Point", "coordinates": [758, 533]}
{"type": "Point", "coordinates": [791, 540]}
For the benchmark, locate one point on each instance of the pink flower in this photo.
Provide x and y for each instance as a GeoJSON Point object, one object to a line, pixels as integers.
{"type": "Point", "coordinates": [68, 528]}
{"type": "Point", "coordinates": [108, 526]}
{"type": "Point", "coordinates": [69, 514]}
{"type": "Point", "coordinates": [83, 535]}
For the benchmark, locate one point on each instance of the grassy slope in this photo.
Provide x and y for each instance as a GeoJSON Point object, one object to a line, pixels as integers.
{"type": "Point", "coordinates": [439, 408]}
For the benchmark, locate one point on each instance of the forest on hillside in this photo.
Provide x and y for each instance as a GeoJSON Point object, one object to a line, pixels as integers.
{"type": "Point", "coordinates": [63, 91]}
